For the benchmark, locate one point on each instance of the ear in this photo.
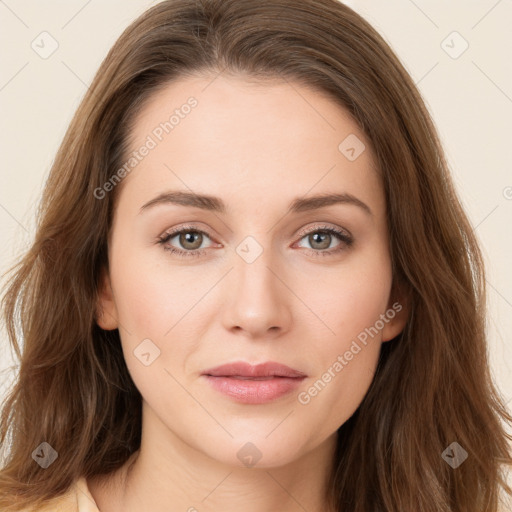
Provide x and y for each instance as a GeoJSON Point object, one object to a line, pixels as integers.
{"type": "Point", "coordinates": [106, 311]}
{"type": "Point", "coordinates": [397, 313]}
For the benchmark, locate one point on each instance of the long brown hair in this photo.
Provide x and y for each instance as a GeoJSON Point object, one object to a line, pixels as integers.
{"type": "Point", "coordinates": [433, 385]}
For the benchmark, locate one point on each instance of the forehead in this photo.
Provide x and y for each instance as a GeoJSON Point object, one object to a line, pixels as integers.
{"type": "Point", "coordinates": [241, 139]}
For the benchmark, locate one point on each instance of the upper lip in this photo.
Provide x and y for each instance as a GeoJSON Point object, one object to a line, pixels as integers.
{"type": "Point", "coordinates": [243, 369]}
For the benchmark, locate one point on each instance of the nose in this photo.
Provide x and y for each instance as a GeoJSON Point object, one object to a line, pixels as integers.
{"type": "Point", "coordinates": [258, 301]}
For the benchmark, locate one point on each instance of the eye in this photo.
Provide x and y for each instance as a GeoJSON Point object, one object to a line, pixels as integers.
{"type": "Point", "coordinates": [321, 237]}
{"type": "Point", "coordinates": [188, 237]}
{"type": "Point", "coordinates": [190, 240]}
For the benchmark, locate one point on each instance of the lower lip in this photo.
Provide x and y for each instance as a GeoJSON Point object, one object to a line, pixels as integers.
{"type": "Point", "coordinates": [254, 391]}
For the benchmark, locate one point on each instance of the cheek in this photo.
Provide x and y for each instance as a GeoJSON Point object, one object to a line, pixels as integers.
{"type": "Point", "coordinates": [346, 362]}
{"type": "Point", "coordinates": [158, 303]}
{"type": "Point", "coordinates": [351, 304]}
{"type": "Point", "coordinates": [351, 298]}
{"type": "Point", "coordinates": [151, 299]}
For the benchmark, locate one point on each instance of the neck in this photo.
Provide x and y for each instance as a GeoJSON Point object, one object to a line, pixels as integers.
{"type": "Point", "coordinates": [169, 474]}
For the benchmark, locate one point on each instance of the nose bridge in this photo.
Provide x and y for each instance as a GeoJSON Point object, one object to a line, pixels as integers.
{"type": "Point", "coordinates": [253, 261]}
{"type": "Point", "coordinates": [258, 298]}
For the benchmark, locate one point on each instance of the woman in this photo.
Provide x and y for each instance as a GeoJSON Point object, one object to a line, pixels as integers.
{"type": "Point", "coordinates": [252, 284]}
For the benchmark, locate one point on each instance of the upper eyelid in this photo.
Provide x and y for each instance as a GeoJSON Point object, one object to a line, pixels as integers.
{"type": "Point", "coordinates": [324, 226]}
{"type": "Point", "coordinates": [300, 232]}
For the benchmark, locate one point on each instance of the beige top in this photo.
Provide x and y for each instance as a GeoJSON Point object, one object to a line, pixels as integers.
{"type": "Point", "coordinates": [77, 499]}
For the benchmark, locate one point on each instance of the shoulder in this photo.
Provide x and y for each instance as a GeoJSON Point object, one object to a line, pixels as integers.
{"type": "Point", "coordinates": [77, 499]}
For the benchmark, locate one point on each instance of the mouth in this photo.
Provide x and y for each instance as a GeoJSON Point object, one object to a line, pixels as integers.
{"type": "Point", "coordinates": [242, 369]}
{"type": "Point", "coordinates": [240, 377]}
{"type": "Point", "coordinates": [254, 384]}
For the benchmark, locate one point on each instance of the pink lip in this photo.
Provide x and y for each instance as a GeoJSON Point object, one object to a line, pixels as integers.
{"type": "Point", "coordinates": [251, 384]}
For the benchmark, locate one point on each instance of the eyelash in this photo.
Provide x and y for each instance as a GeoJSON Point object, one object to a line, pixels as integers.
{"type": "Point", "coordinates": [341, 235]}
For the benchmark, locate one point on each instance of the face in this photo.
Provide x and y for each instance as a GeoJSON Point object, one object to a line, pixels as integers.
{"type": "Point", "coordinates": [256, 272]}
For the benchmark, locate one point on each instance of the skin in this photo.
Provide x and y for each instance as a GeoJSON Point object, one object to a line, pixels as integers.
{"type": "Point", "coordinates": [257, 147]}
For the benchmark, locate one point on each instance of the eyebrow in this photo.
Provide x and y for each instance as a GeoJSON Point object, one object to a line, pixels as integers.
{"type": "Point", "coordinates": [215, 204]}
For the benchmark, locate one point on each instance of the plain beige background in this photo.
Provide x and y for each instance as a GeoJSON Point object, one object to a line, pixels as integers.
{"type": "Point", "coordinates": [467, 90]}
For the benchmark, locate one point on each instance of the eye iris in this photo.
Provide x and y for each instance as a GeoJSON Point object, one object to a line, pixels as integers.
{"type": "Point", "coordinates": [188, 237]}
{"type": "Point", "coordinates": [313, 238]}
